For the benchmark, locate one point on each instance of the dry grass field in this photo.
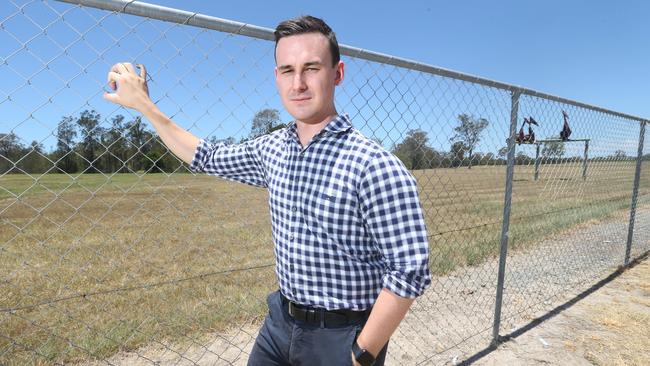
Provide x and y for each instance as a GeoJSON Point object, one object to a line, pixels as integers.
{"type": "Point", "coordinates": [94, 265]}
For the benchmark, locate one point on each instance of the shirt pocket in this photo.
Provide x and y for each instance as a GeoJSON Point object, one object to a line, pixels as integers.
{"type": "Point", "coordinates": [335, 204]}
{"type": "Point", "coordinates": [333, 216]}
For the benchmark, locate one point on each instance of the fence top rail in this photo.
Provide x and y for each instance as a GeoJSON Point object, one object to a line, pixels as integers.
{"type": "Point", "coordinates": [173, 15]}
{"type": "Point", "coordinates": [538, 142]}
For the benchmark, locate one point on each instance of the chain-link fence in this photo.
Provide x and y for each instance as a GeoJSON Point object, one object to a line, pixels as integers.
{"type": "Point", "coordinates": [112, 252]}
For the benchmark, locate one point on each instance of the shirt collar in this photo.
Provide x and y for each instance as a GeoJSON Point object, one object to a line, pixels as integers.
{"type": "Point", "coordinates": [339, 124]}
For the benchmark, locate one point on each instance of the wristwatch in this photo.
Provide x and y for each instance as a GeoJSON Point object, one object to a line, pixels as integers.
{"type": "Point", "coordinates": [362, 356]}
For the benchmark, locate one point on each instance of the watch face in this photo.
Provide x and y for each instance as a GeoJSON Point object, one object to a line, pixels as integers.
{"type": "Point", "coordinates": [365, 358]}
{"type": "Point", "coordinates": [362, 356]}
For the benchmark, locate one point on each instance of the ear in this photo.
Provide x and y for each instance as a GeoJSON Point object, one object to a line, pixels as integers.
{"type": "Point", "coordinates": [340, 73]}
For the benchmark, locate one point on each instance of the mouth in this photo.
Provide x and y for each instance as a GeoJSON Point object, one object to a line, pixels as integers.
{"type": "Point", "coordinates": [300, 99]}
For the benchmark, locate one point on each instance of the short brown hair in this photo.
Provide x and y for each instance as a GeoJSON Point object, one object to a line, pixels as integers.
{"type": "Point", "coordinates": [308, 24]}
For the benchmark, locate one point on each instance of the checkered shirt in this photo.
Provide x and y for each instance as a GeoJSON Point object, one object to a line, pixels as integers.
{"type": "Point", "coordinates": [345, 213]}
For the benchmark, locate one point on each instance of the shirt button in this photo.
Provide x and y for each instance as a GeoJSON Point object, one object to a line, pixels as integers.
{"type": "Point", "coordinates": [294, 208]}
{"type": "Point", "coordinates": [291, 237]}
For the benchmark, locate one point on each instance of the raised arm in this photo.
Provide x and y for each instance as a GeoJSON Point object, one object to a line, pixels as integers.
{"type": "Point", "coordinates": [131, 91]}
{"type": "Point", "coordinates": [239, 163]}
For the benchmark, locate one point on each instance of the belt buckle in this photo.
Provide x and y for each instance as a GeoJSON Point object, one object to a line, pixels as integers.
{"type": "Point", "coordinates": [291, 312]}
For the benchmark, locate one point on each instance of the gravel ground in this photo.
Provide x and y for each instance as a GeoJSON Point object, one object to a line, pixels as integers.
{"type": "Point", "coordinates": [453, 321]}
{"type": "Point", "coordinates": [608, 327]}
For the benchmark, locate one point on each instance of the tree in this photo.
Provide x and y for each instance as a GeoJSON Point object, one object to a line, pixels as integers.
{"type": "Point", "coordinates": [114, 141]}
{"type": "Point", "coordinates": [9, 144]}
{"type": "Point", "coordinates": [265, 121]}
{"type": "Point", "coordinates": [227, 141]}
{"type": "Point", "coordinates": [620, 155]}
{"type": "Point", "coordinates": [468, 132]}
{"type": "Point", "coordinates": [159, 158]}
{"type": "Point", "coordinates": [503, 152]}
{"type": "Point", "coordinates": [34, 159]}
{"type": "Point", "coordinates": [65, 134]}
{"type": "Point", "coordinates": [138, 137]}
{"type": "Point", "coordinates": [457, 154]}
{"type": "Point", "coordinates": [488, 159]}
{"type": "Point", "coordinates": [415, 152]}
{"type": "Point", "coordinates": [90, 146]}
{"type": "Point", "coordinates": [523, 159]}
{"type": "Point", "coordinates": [277, 127]}
{"type": "Point", "coordinates": [553, 149]}
{"type": "Point", "coordinates": [10, 151]}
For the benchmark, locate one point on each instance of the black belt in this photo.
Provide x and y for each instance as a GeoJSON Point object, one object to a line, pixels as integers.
{"type": "Point", "coordinates": [322, 317]}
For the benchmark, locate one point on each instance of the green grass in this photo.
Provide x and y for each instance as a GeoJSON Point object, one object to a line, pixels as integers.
{"type": "Point", "coordinates": [23, 185]}
{"type": "Point", "coordinates": [176, 257]}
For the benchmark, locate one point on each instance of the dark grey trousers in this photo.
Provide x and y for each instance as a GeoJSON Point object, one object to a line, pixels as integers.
{"type": "Point", "coordinates": [285, 341]}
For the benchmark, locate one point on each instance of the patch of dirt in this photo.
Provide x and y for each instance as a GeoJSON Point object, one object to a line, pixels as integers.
{"type": "Point", "coordinates": [609, 327]}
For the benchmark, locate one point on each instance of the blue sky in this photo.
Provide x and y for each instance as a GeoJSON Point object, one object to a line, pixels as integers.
{"type": "Point", "coordinates": [595, 51]}
{"type": "Point", "coordinates": [590, 51]}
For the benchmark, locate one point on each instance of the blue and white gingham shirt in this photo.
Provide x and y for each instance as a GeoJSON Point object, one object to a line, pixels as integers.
{"type": "Point", "coordinates": [345, 213]}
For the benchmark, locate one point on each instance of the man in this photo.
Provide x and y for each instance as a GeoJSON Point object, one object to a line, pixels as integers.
{"type": "Point", "coordinates": [349, 234]}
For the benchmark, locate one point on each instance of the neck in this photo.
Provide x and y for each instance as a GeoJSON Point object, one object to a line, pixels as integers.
{"type": "Point", "coordinates": [307, 130]}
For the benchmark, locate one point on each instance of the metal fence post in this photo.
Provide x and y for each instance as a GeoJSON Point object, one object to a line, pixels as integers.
{"type": "Point", "coordinates": [514, 110]}
{"type": "Point", "coordinates": [537, 161]}
{"type": "Point", "coordinates": [635, 192]}
{"type": "Point", "coordinates": [584, 161]}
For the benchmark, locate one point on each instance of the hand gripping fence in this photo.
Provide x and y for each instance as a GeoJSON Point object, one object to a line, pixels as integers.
{"type": "Point", "coordinates": [113, 252]}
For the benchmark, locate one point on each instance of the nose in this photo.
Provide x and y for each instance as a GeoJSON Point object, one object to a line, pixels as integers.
{"type": "Point", "coordinates": [299, 82]}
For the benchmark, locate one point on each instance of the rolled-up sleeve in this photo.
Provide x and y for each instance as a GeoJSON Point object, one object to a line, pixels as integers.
{"type": "Point", "coordinates": [240, 162]}
{"type": "Point", "coordinates": [391, 208]}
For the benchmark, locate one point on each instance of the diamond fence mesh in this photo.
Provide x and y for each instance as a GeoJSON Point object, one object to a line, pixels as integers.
{"type": "Point", "coordinates": [112, 252]}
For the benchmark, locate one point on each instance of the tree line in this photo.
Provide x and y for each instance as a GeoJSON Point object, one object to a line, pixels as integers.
{"type": "Point", "coordinates": [85, 146]}
{"type": "Point", "coordinates": [415, 152]}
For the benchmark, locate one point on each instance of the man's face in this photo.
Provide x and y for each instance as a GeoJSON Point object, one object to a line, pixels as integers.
{"type": "Point", "coordinates": [305, 76]}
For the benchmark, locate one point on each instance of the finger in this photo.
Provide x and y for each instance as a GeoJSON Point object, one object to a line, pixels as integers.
{"type": "Point", "coordinates": [129, 67]}
{"type": "Point", "coordinates": [113, 76]}
{"type": "Point", "coordinates": [143, 71]}
{"type": "Point", "coordinates": [112, 79]}
{"type": "Point", "coordinates": [118, 68]}
{"type": "Point", "coordinates": [111, 97]}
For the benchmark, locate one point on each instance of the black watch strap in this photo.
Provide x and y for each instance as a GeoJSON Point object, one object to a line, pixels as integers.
{"type": "Point", "coordinates": [362, 356]}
